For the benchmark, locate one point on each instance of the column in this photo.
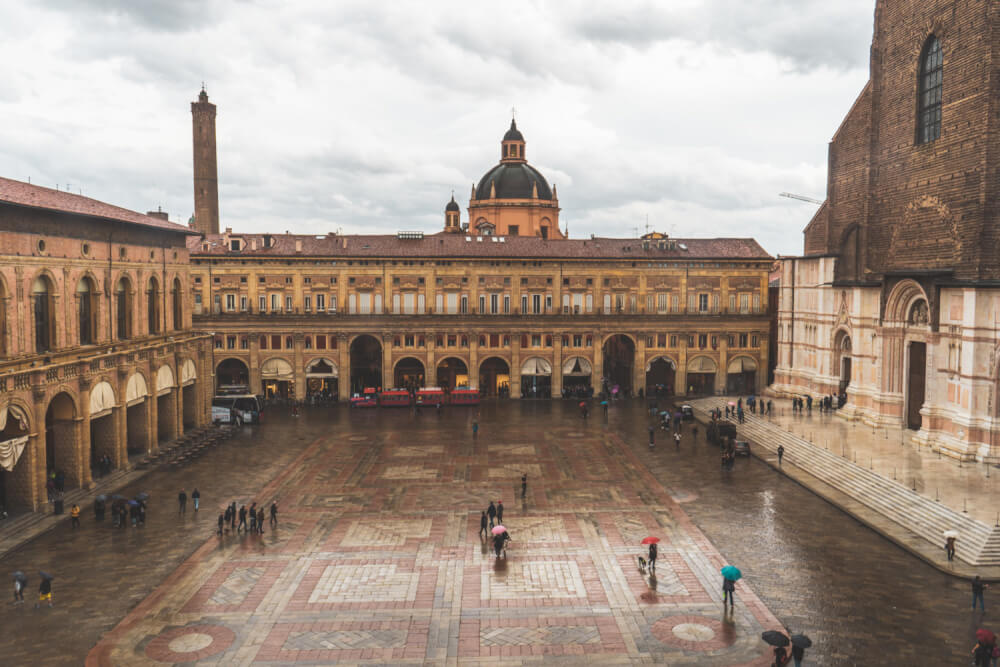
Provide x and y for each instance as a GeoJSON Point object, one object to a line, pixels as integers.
{"type": "Point", "coordinates": [557, 371]}
{"type": "Point", "coordinates": [83, 438]}
{"type": "Point", "coordinates": [299, 368]}
{"type": "Point", "coordinates": [515, 367]}
{"type": "Point", "coordinates": [639, 365]}
{"type": "Point", "coordinates": [682, 365]}
{"type": "Point", "coordinates": [430, 367]}
{"type": "Point", "coordinates": [762, 367]}
{"type": "Point", "coordinates": [598, 371]}
{"type": "Point", "coordinates": [344, 369]}
{"type": "Point", "coordinates": [473, 362]}
{"type": "Point", "coordinates": [152, 416]}
{"type": "Point", "coordinates": [386, 359]}
{"type": "Point", "coordinates": [255, 384]}
{"type": "Point", "coordinates": [721, 373]}
{"type": "Point", "coordinates": [36, 449]}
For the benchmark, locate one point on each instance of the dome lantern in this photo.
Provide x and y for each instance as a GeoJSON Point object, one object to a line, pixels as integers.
{"type": "Point", "coordinates": [512, 146]}
{"type": "Point", "coordinates": [452, 215]}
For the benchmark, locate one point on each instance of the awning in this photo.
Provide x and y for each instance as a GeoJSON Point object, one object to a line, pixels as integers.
{"type": "Point", "coordinates": [136, 390]}
{"type": "Point", "coordinates": [536, 366]}
{"type": "Point", "coordinates": [10, 452]}
{"type": "Point", "coordinates": [742, 365]}
{"type": "Point", "coordinates": [164, 380]}
{"type": "Point", "coordinates": [277, 369]}
{"type": "Point", "coordinates": [702, 365]}
{"type": "Point", "coordinates": [13, 412]}
{"type": "Point", "coordinates": [188, 373]}
{"type": "Point", "coordinates": [102, 400]}
{"type": "Point", "coordinates": [321, 368]}
{"type": "Point", "coordinates": [577, 366]}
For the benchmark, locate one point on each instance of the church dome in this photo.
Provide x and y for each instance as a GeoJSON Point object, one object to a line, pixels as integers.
{"type": "Point", "coordinates": [452, 205]}
{"type": "Point", "coordinates": [513, 181]}
{"type": "Point", "coordinates": [513, 134]}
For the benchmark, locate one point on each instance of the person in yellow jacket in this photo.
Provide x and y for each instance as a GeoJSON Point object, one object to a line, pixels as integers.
{"type": "Point", "coordinates": [74, 515]}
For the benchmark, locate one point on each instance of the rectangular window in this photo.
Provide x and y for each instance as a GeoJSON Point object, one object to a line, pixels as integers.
{"type": "Point", "coordinates": [230, 342]}
{"type": "Point", "coordinates": [263, 342]}
{"type": "Point", "coordinates": [262, 303]}
{"type": "Point", "coordinates": [408, 340]}
{"type": "Point", "coordinates": [308, 342]}
{"type": "Point", "coordinates": [577, 340]}
{"type": "Point", "coordinates": [321, 342]}
{"type": "Point", "coordinates": [506, 304]}
{"type": "Point", "coordinates": [288, 304]}
{"type": "Point", "coordinates": [218, 342]}
{"type": "Point", "coordinates": [673, 341]}
{"type": "Point", "coordinates": [661, 340]}
{"type": "Point", "coordinates": [662, 304]}
{"type": "Point", "coordinates": [732, 302]}
{"type": "Point", "coordinates": [607, 304]}
{"type": "Point", "coordinates": [395, 304]}
{"type": "Point", "coordinates": [275, 303]}
{"type": "Point", "coordinates": [494, 340]}
{"type": "Point", "coordinates": [590, 302]}
{"type": "Point", "coordinates": [715, 342]}
{"type": "Point", "coordinates": [744, 303]}
{"type": "Point", "coordinates": [650, 303]}
{"type": "Point", "coordinates": [378, 301]}
{"type": "Point", "coordinates": [536, 303]}
{"type": "Point", "coordinates": [692, 303]}
{"type": "Point", "coordinates": [244, 343]}
{"type": "Point", "coordinates": [439, 303]}
{"type": "Point", "coordinates": [365, 303]}
{"type": "Point", "coordinates": [675, 303]}
{"type": "Point", "coordinates": [352, 303]}
{"type": "Point", "coordinates": [756, 303]}
{"type": "Point", "coordinates": [275, 342]}
{"type": "Point", "coordinates": [320, 303]}
{"type": "Point", "coordinates": [217, 303]}
{"type": "Point", "coordinates": [702, 303]}
{"type": "Point", "coordinates": [452, 340]}
{"type": "Point", "coordinates": [409, 303]}
{"type": "Point", "coordinates": [421, 305]}
{"type": "Point", "coordinates": [482, 303]}
{"type": "Point", "coordinates": [753, 341]}
{"type": "Point", "coordinates": [548, 303]}
{"type": "Point", "coordinates": [494, 303]}
{"type": "Point", "coordinates": [452, 303]}
{"type": "Point", "coordinates": [703, 341]}
{"type": "Point", "coordinates": [463, 304]}
{"type": "Point", "coordinates": [743, 340]}
{"type": "Point", "coordinates": [333, 303]}
{"type": "Point", "coordinates": [524, 304]}
{"type": "Point", "coordinates": [307, 304]}
{"type": "Point", "coordinates": [230, 303]}
{"type": "Point", "coordinates": [536, 340]}
{"type": "Point", "coordinates": [243, 304]}
{"type": "Point", "coordinates": [567, 305]}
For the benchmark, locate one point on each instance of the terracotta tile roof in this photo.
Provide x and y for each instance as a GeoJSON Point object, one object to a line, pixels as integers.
{"type": "Point", "coordinates": [460, 245]}
{"type": "Point", "coordinates": [34, 196]}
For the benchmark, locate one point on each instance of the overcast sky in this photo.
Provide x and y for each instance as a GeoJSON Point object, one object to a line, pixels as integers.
{"type": "Point", "coordinates": [364, 116]}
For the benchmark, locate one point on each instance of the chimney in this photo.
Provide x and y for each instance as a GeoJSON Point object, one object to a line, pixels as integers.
{"type": "Point", "coordinates": [298, 245]}
{"type": "Point", "coordinates": [158, 214]}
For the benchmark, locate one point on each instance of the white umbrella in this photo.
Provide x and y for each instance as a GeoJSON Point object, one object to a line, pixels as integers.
{"type": "Point", "coordinates": [951, 533]}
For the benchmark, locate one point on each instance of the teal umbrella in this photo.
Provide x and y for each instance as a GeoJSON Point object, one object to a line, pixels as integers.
{"type": "Point", "coordinates": [731, 573]}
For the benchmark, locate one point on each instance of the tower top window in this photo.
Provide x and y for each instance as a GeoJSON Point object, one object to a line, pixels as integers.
{"type": "Point", "coordinates": [931, 84]}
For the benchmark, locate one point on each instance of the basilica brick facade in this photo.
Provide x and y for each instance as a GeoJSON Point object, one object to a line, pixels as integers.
{"type": "Point", "coordinates": [896, 298]}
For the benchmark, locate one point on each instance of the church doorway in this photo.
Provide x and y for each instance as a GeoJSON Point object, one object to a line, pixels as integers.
{"type": "Point", "coordinates": [916, 385]}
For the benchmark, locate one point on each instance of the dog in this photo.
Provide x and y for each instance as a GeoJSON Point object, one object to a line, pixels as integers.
{"type": "Point", "coordinates": [642, 564]}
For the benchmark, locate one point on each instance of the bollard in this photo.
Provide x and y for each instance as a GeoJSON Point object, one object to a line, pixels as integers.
{"type": "Point", "coordinates": [894, 475]}
{"type": "Point", "coordinates": [936, 496]}
{"type": "Point", "coordinates": [914, 483]}
{"type": "Point", "coordinates": [965, 505]}
{"type": "Point", "coordinates": [871, 466]}
{"type": "Point", "coordinates": [998, 519]}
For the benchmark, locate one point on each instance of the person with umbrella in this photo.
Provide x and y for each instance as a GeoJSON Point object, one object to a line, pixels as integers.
{"type": "Point", "coordinates": [982, 652]}
{"type": "Point", "coordinates": [730, 575]}
{"type": "Point", "coordinates": [652, 437]}
{"type": "Point", "coordinates": [779, 640]}
{"type": "Point", "coordinates": [45, 589]}
{"type": "Point", "coordinates": [20, 583]}
{"type": "Point", "coordinates": [799, 645]}
{"type": "Point", "coordinates": [949, 543]}
{"type": "Point", "coordinates": [500, 538]}
{"type": "Point", "coordinates": [651, 541]}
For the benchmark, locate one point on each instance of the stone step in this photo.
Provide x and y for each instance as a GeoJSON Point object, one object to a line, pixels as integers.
{"type": "Point", "coordinates": [918, 514]}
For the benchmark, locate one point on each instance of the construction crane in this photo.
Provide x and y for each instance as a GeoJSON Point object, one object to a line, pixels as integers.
{"type": "Point", "coordinates": [818, 202]}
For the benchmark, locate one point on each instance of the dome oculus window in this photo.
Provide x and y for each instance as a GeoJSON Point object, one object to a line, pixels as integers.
{"type": "Point", "coordinates": [931, 83]}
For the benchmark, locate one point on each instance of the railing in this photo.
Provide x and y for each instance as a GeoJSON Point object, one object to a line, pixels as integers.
{"type": "Point", "coordinates": [515, 313]}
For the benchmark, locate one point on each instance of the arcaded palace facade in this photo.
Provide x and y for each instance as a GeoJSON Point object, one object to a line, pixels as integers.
{"type": "Point", "coordinates": [896, 298]}
{"type": "Point", "coordinates": [97, 354]}
{"type": "Point", "coordinates": [502, 302]}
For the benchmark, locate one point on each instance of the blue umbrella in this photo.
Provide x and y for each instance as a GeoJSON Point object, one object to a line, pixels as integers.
{"type": "Point", "coordinates": [665, 412]}
{"type": "Point", "coordinates": [133, 503]}
{"type": "Point", "coordinates": [731, 573]}
{"type": "Point", "coordinates": [604, 402]}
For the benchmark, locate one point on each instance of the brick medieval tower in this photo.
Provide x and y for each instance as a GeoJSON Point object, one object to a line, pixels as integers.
{"type": "Point", "coordinates": [206, 173]}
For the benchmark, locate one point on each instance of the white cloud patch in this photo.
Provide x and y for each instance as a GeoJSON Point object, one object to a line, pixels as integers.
{"type": "Point", "coordinates": [365, 116]}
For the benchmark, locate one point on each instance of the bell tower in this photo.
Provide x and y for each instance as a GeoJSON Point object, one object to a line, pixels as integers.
{"type": "Point", "coordinates": [206, 173]}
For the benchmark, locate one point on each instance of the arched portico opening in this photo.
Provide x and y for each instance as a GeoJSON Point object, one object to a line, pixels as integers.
{"type": "Point", "coordinates": [494, 377]}
{"type": "Point", "coordinates": [701, 376]}
{"type": "Point", "coordinates": [577, 375]}
{"type": "Point", "coordinates": [166, 404]}
{"type": "Point", "coordinates": [741, 376]}
{"type": "Point", "coordinates": [189, 394]}
{"type": "Point", "coordinates": [366, 363]}
{"type": "Point", "coordinates": [14, 472]}
{"type": "Point", "coordinates": [103, 430]}
{"type": "Point", "coordinates": [661, 374]}
{"type": "Point", "coordinates": [619, 361]}
{"type": "Point", "coordinates": [536, 378]}
{"type": "Point", "coordinates": [321, 380]}
{"type": "Point", "coordinates": [408, 374]}
{"type": "Point", "coordinates": [231, 374]}
{"type": "Point", "coordinates": [137, 422]}
{"type": "Point", "coordinates": [86, 310]}
{"type": "Point", "coordinates": [277, 378]}
{"type": "Point", "coordinates": [452, 372]}
{"type": "Point", "coordinates": [61, 442]}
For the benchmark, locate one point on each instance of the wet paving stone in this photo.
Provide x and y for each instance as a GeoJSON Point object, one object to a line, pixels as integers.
{"type": "Point", "coordinates": [377, 556]}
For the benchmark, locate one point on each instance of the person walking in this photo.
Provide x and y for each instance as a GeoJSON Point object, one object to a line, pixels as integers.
{"type": "Point", "coordinates": [781, 453]}
{"type": "Point", "coordinates": [798, 654]}
{"type": "Point", "coordinates": [74, 516]}
{"type": "Point", "coordinates": [222, 522]}
{"type": "Point", "coordinates": [19, 585]}
{"type": "Point", "coordinates": [482, 524]}
{"type": "Point", "coordinates": [475, 428]}
{"type": "Point", "coordinates": [232, 517]}
{"type": "Point", "coordinates": [652, 437]}
{"type": "Point", "coordinates": [524, 484]}
{"type": "Point", "coordinates": [677, 439]}
{"type": "Point", "coordinates": [182, 501]}
{"type": "Point", "coordinates": [260, 519]}
{"type": "Point", "coordinates": [491, 512]}
{"type": "Point", "coordinates": [196, 497]}
{"type": "Point", "coordinates": [227, 516]}
{"type": "Point", "coordinates": [274, 512]}
{"type": "Point", "coordinates": [728, 592]}
{"type": "Point", "coordinates": [253, 518]}
{"type": "Point", "coordinates": [949, 547]}
{"type": "Point", "coordinates": [243, 518]}
{"type": "Point", "coordinates": [499, 511]}
{"type": "Point", "coordinates": [652, 557]}
{"type": "Point", "coordinates": [44, 592]}
{"type": "Point", "coordinates": [978, 587]}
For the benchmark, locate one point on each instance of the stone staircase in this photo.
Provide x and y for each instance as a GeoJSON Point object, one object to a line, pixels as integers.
{"type": "Point", "coordinates": [979, 543]}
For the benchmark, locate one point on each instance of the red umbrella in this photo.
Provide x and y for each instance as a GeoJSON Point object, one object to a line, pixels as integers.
{"type": "Point", "coordinates": [582, 403]}
{"type": "Point", "coordinates": [984, 636]}
{"type": "Point", "coordinates": [650, 540]}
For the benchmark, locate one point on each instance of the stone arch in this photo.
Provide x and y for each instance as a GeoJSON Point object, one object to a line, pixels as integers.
{"type": "Point", "coordinates": [124, 298]}
{"type": "Point", "coordinates": [164, 379]}
{"type": "Point", "coordinates": [15, 438]}
{"type": "Point", "coordinates": [166, 403]}
{"type": "Point", "coordinates": [102, 399]}
{"type": "Point", "coordinates": [409, 372]}
{"type": "Point", "coordinates": [154, 310]}
{"type": "Point", "coordinates": [62, 441]}
{"type": "Point", "coordinates": [177, 303]}
{"type": "Point", "coordinates": [901, 299]}
{"type": "Point", "coordinates": [608, 337]}
{"type": "Point", "coordinates": [232, 370]}
{"type": "Point", "coordinates": [494, 375]}
{"type": "Point", "coordinates": [452, 372]}
{"type": "Point", "coordinates": [189, 372]}
{"type": "Point", "coordinates": [365, 355]}
{"type": "Point", "coordinates": [619, 354]}
{"type": "Point", "coordinates": [43, 289]}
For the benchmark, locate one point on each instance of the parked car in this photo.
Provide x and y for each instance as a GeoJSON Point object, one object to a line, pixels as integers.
{"type": "Point", "coordinates": [688, 413]}
{"type": "Point", "coordinates": [741, 448]}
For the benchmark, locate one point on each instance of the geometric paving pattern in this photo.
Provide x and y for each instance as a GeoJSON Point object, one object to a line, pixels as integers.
{"type": "Point", "coordinates": [378, 560]}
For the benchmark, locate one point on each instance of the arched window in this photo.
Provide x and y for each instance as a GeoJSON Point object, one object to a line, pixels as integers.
{"type": "Point", "coordinates": [153, 305]}
{"type": "Point", "coordinates": [86, 296]}
{"type": "Point", "coordinates": [3, 320]}
{"type": "Point", "coordinates": [178, 305]}
{"type": "Point", "coordinates": [930, 85]}
{"type": "Point", "coordinates": [43, 304]}
{"type": "Point", "coordinates": [123, 308]}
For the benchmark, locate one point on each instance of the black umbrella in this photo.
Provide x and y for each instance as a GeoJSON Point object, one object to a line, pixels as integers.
{"type": "Point", "coordinates": [45, 575]}
{"type": "Point", "coordinates": [775, 638]}
{"type": "Point", "coordinates": [801, 641]}
{"type": "Point", "coordinates": [20, 576]}
{"type": "Point", "coordinates": [117, 497]}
